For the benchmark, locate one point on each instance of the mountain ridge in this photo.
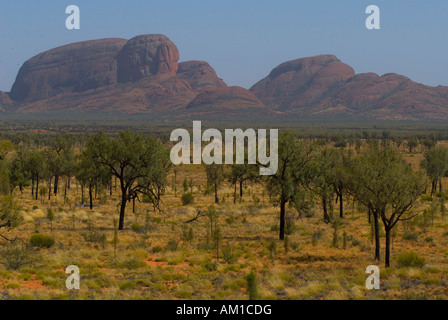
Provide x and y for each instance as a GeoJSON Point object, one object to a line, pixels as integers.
{"type": "Point", "coordinates": [144, 75]}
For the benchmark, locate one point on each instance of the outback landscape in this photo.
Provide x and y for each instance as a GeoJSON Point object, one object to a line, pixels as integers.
{"type": "Point", "coordinates": [221, 231]}
{"type": "Point", "coordinates": [86, 180]}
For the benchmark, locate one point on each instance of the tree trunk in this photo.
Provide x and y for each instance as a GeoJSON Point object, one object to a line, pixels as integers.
{"type": "Point", "coordinates": [241, 189]}
{"type": "Point", "coordinates": [341, 206]}
{"type": "Point", "coordinates": [324, 205]}
{"type": "Point", "coordinates": [282, 219]}
{"type": "Point", "coordinates": [123, 207]}
{"type": "Point", "coordinates": [82, 194]}
{"type": "Point", "coordinates": [377, 237]}
{"type": "Point", "coordinates": [234, 194]}
{"type": "Point", "coordinates": [37, 186]}
{"type": "Point", "coordinates": [56, 181]}
{"type": "Point", "coordinates": [387, 247]}
{"type": "Point", "coordinates": [90, 197]}
{"type": "Point", "coordinates": [32, 188]}
{"type": "Point", "coordinates": [133, 204]}
{"type": "Point", "coordinates": [216, 193]}
{"type": "Point", "coordinates": [49, 189]}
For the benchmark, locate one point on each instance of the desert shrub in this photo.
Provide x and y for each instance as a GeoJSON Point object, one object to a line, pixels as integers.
{"type": "Point", "coordinates": [230, 220]}
{"type": "Point", "coordinates": [35, 207]}
{"type": "Point", "coordinates": [156, 249]}
{"type": "Point", "coordinates": [95, 237]}
{"type": "Point", "coordinates": [128, 285]}
{"type": "Point", "coordinates": [138, 228]}
{"type": "Point", "coordinates": [426, 198]}
{"type": "Point", "coordinates": [187, 234]}
{"type": "Point", "coordinates": [187, 198]}
{"type": "Point", "coordinates": [252, 286]}
{"type": "Point", "coordinates": [41, 240]}
{"type": "Point", "coordinates": [211, 266]}
{"type": "Point", "coordinates": [133, 264]}
{"type": "Point", "coordinates": [410, 259]}
{"type": "Point", "coordinates": [410, 236]}
{"type": "Point", "coordinates": [14, 256]}
{"type": "Point", "coordinates": [228, 255]}
{"type": "Point", "coordinates": [171, 245]}
{"type": "Point", "coordinates": [272, 247]}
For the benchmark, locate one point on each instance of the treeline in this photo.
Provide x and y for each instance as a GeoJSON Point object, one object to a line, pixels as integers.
{"type": "Point", "coordinates": [311, 173]}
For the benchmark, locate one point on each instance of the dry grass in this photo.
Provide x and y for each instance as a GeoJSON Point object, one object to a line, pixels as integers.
{"type": "Point", "coordinates": [146, 268]}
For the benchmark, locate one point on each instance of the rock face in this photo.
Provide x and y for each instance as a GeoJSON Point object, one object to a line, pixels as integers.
{"type": "Point", "coordinates": [141, 75]}
{"type": "Point", "coordinates": [75, 67]}
{"type": "Point", "coordinates": [200, 75]}
{"type": "Point", "coordinates": [300, 82]}
{"type": "Point", "coordinates": [323, 85]}
{"type": "Point", "coordinates": [145, 56]}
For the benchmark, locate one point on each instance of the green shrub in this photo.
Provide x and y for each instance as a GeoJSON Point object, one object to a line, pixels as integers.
{"type": "Point", "coordinates": [410, 236]}
{"type": "Point", "coordinates": [41, 240]}
{"type": "Point", "coordinates": [410, 259]}
{"type": "Point", "coordinates": [138, 228]}
{"type": "Point", "coordinates": [211, 266]}
{"type": "Point", "coordinates": [426, 198]}
{"type": "Point", "coordinates": [133, 264]}
{"type": "Point", "coordinates": [156, 249]}
{"type": "Point", "coordinates": [187, 198]}
{"type": "Point", "coordinates": [171, 245]}
{"type": "Point", "coordinates": [128, 285]}
{"type": "Point", "coordinates": [252, 286]}
{"type": "Point", "coordinates": [14, 257]}
{"type": "Point", "coordinates": [228, 255]}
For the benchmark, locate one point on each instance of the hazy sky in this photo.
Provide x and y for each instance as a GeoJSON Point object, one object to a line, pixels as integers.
{"type": "Point", "coordinates": [243, 39]}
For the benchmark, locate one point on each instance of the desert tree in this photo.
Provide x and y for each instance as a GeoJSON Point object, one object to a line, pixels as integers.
{"type": "Point", "coordinates": [435, 164]}
{"type": "Point", "coordinates": [290, 184]}
{"type": "Point", "coordinates": [6, 147]}
{"type": "Point", "coordinates": [215, 176]}
{"type": "Point", "coordinates": [340, 160]}
{"type": "Point", "coordinates": [59, 159]}
{"type": "Point", "coordinates": [10, 216]}
{"type": "Point", "coordinates": [240, 174]}
{"type": "Point", "coordinates": [322, 184]}
{"type": "Point", "coordinates": [19, 173]}
{"type": "Point", "coordinates": [91, 174]}
{"type": "Point", "coordinates": [388, 186]}
{"type": "Point", "coordinates": [35, 165]}
{"type": "Point", "coordinates": [139, 163]}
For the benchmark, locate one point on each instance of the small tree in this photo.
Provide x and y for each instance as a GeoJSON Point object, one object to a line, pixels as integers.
{"type": "Point", "coordinates": [10, 216]}
{"type": "Point", "coordinates": [50, 217]}
{"type": "Point", "coordinates": [291, 182]}
{"type": "Point", "coordinates": [214, 174]}
{"type": "Point", "coordinates": [389, 187]}
{"type": "Point", "coordinates": [436, 165]}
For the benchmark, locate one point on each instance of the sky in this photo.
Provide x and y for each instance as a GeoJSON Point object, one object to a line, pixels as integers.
{"type": "Point", "coordinates": [243, 40]}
